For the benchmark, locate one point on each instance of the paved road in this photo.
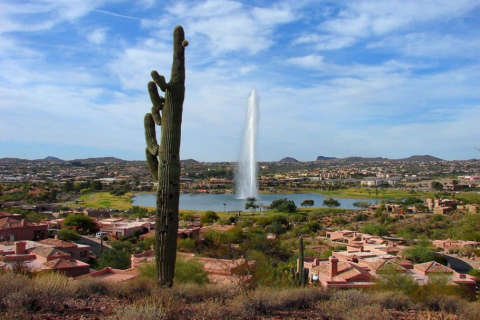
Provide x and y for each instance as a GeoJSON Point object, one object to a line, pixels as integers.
{"type": "Point", "coordinates": [94, 244]}
{"type": "Point", "coordinates": [457, 264]}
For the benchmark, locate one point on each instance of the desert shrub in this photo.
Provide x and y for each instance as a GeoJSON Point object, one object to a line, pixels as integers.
{"type": "Point", "coordinates": [190, 271]}
{"type": "Point", "coordinates": [15, 290]}
{"type": "Point", "coordinates": [133, 289]}
{"type": "Point", "coordinates": [187, 244]}
{"type": "Point", "coordinates": [193, 293]}
{"type": "Point", "coordinates": [442, 303]}
{"type": "Point", "coordinates": [394, 300]}
{"type": "Point", "coordinates": [419, 254]}
{"type": "Point", "coordinates": [234, 235]}
{"type": "Point", "coordinates": [160, 306]}
{"type": "Point", "coordinates": [148, 270]}
{"type": "Point", "coordinates": [85, 287]}
{"type": "Point", "coordinates": [51, 290]}
{"type": "Point", "coordinates": [264, 301]}
{"type": "Point", "coordinates": [210, 309]}
{"type": "Point", "coordinates": [469, 310]}
{"type": "Point", "coordinates": [374, 229]}
{"type": "Point", "coordinates": [393, 280]}
{"type": "Point", "coordinates": [209, 217]}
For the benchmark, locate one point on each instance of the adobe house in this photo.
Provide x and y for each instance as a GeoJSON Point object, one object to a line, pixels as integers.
{"type": "Point", "coordinates": [76, 251]}
{"type": "Point", "coordinates": [42, 258]}
{"type": "Point", "coordinates": [13, 230]}
{"type": "Point", "coordinates": [113, 275]}
{"type": "Point", "coordinates": [337, 272]}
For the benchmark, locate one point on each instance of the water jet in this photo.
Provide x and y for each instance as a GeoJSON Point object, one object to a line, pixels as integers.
{"type": "Point", "coordinates": [246, 173]}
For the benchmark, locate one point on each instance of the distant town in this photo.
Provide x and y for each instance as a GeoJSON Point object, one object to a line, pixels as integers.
{"type": "Point", "coordinates": [75, 217]}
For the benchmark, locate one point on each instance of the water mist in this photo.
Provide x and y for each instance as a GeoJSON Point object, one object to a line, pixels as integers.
{"type": "Point", "coordinates": [246, 174]}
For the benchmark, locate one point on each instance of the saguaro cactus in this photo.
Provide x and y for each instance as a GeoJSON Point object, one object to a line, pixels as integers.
{"type": "Point", "coordinates": [163, 160]}
{"type": "Point", "coordinates": [300, 276]}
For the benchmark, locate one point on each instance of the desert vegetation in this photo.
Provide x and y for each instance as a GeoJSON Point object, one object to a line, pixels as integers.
{"type": "Point", "coordinates": [53, 296]}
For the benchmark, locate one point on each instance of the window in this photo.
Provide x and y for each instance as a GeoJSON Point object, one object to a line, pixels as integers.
{"type": "Point", "coordinates": [83, 254]}
{"type": "Point", "coordinates": [12, 237]}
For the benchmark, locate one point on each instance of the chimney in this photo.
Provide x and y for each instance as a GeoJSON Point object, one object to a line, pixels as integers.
{"type": "Point", "coordinates": [20, 247]}
{"type": "Point", "coordinates": [333, 266]}
{"type": "Point", "coordinates": [56, 237]}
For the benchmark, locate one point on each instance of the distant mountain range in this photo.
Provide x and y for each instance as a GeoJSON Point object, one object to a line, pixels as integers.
{"type": "Point", "coordinates": [189, 161]}
{"type": "Point", "coordinates": [322, 158]}
{"type": "Point", "coordinates": [99, 160]}
{"type": "Point", "coordinates": [419, 158]}
{"type": "Point", "coordinates": [49, 158]}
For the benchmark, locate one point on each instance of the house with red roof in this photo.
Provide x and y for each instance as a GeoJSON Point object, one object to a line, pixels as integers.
{"type": "Point", "coordinates": [12, 229]}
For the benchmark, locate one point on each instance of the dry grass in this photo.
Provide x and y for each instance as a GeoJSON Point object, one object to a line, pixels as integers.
{"type": "Point", "coordinates": [23, 297]}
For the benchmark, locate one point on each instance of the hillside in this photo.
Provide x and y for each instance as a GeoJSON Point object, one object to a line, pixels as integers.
{"type": "Point", "coordinates": [289, 159]}
{"type": "Point", "coordinates": [99, 160]}
{"type": "Point", "coordinates": [322, 158]}
{"type": "Point", "coordinates": [424, 158]}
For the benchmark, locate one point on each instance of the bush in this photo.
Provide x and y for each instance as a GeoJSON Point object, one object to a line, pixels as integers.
{"type": "Point", "coordinates": [85, 287]}
{"type": "Point", "coordinates": [374, 229]}
{"type": "Point", "coordinates": [187, 244]}
{"type": "Point", "coordinates": [190, 271]}
{"type": "Point", "coordinates": [209, 217]}
{"type": "Point", "coordinates": [157, 307]}
{"type": "Point", "coordinates": [68, 234]}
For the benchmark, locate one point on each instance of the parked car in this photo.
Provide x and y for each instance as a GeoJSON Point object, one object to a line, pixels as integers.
{"type": "Point", "coordinates": [100, 234]}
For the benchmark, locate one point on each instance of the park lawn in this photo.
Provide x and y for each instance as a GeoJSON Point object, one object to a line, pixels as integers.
{"type": "Point", "coordinates": [106, 200]}
{"type": "Point", "coordinates": [383, 194]}
{"type": "Point", "coordinates": [468, 197]}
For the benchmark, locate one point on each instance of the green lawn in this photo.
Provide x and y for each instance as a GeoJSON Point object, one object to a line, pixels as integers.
{"type": "Point", "coordinates": [104, 200]}
{"type": "Point", "coordinates": [383, 194]}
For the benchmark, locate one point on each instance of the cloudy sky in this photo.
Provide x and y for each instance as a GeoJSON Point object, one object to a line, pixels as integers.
{"type": "Point", "coordinates": [334, 78]}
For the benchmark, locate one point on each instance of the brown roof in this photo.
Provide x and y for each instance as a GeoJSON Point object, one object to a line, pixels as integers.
{"type": "Point", "coordinates": [433, 267]}
{"type": "Point", "coordinates": [8, 223]}
{"type": "Point", "coordinates": [49, 252]}
{"type": "Point", "coordinates": [60, 263]}
{"type": "Point", "coordinates": [58, 243]}
{"type": "Point", "coordinates": [385, 265]}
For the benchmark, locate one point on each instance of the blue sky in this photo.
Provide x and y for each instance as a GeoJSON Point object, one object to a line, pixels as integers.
{"type": "Point", "coordinates": [334, 78]}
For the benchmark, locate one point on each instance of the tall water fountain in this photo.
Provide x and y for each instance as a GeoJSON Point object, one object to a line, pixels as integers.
{"type": "Point", "coordinates": [246, 174]}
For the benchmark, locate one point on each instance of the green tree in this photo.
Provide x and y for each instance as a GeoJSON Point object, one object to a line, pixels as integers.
{"type": "Point", "coordinates": [118, 257]}
{"type": "Point", "coordinates": [284, 205]}
{"type": "Point", "coordinates": [331, 203]}
{"type": "Point", "coordinates": [251, 205]}
{"type": "Point", "coordinates": [437, 185]}
{"type": "Point", "coordinates": [209, 217]}
{"type": "Point", "coordinates": [68, 186]}
{"type": "Point", "coordinates": [97, 185]}
{"type": "Point", "coordinates": [68, 234]}
{"type": "Point", "coordinates": [307, 203]}
{"type": "Point", "coordinates": [81, 222]}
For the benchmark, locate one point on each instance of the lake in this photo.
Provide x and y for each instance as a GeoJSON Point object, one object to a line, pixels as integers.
{"type": "Point", "coordinates": [229, 202]}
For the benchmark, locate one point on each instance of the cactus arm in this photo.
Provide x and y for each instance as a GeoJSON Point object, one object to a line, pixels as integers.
{"type": "Point", "coordinates": [156, 116]}
{"type": "Point", "coordinates": [159, 80]}
{"type": "Point", "coordinates": [157, 100]}
{"type": "Point", "coordinates": [150, 137]}
{"type": "Point", "coordinates": [152, 164]}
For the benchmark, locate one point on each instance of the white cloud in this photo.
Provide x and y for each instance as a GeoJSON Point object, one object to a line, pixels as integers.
{"type": "Point", "coordinates": [312, 61]}
{"type": "Point", "coordinates": [43, 15]}
{"type": "Point", "coordinates": [229, 26]}
{"type": "Point", "coordinates": [432, 45]}
{"type": "Point", "coordinates": [359, 20]}
{"type": "Point", "coordinates": [97, 36]}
